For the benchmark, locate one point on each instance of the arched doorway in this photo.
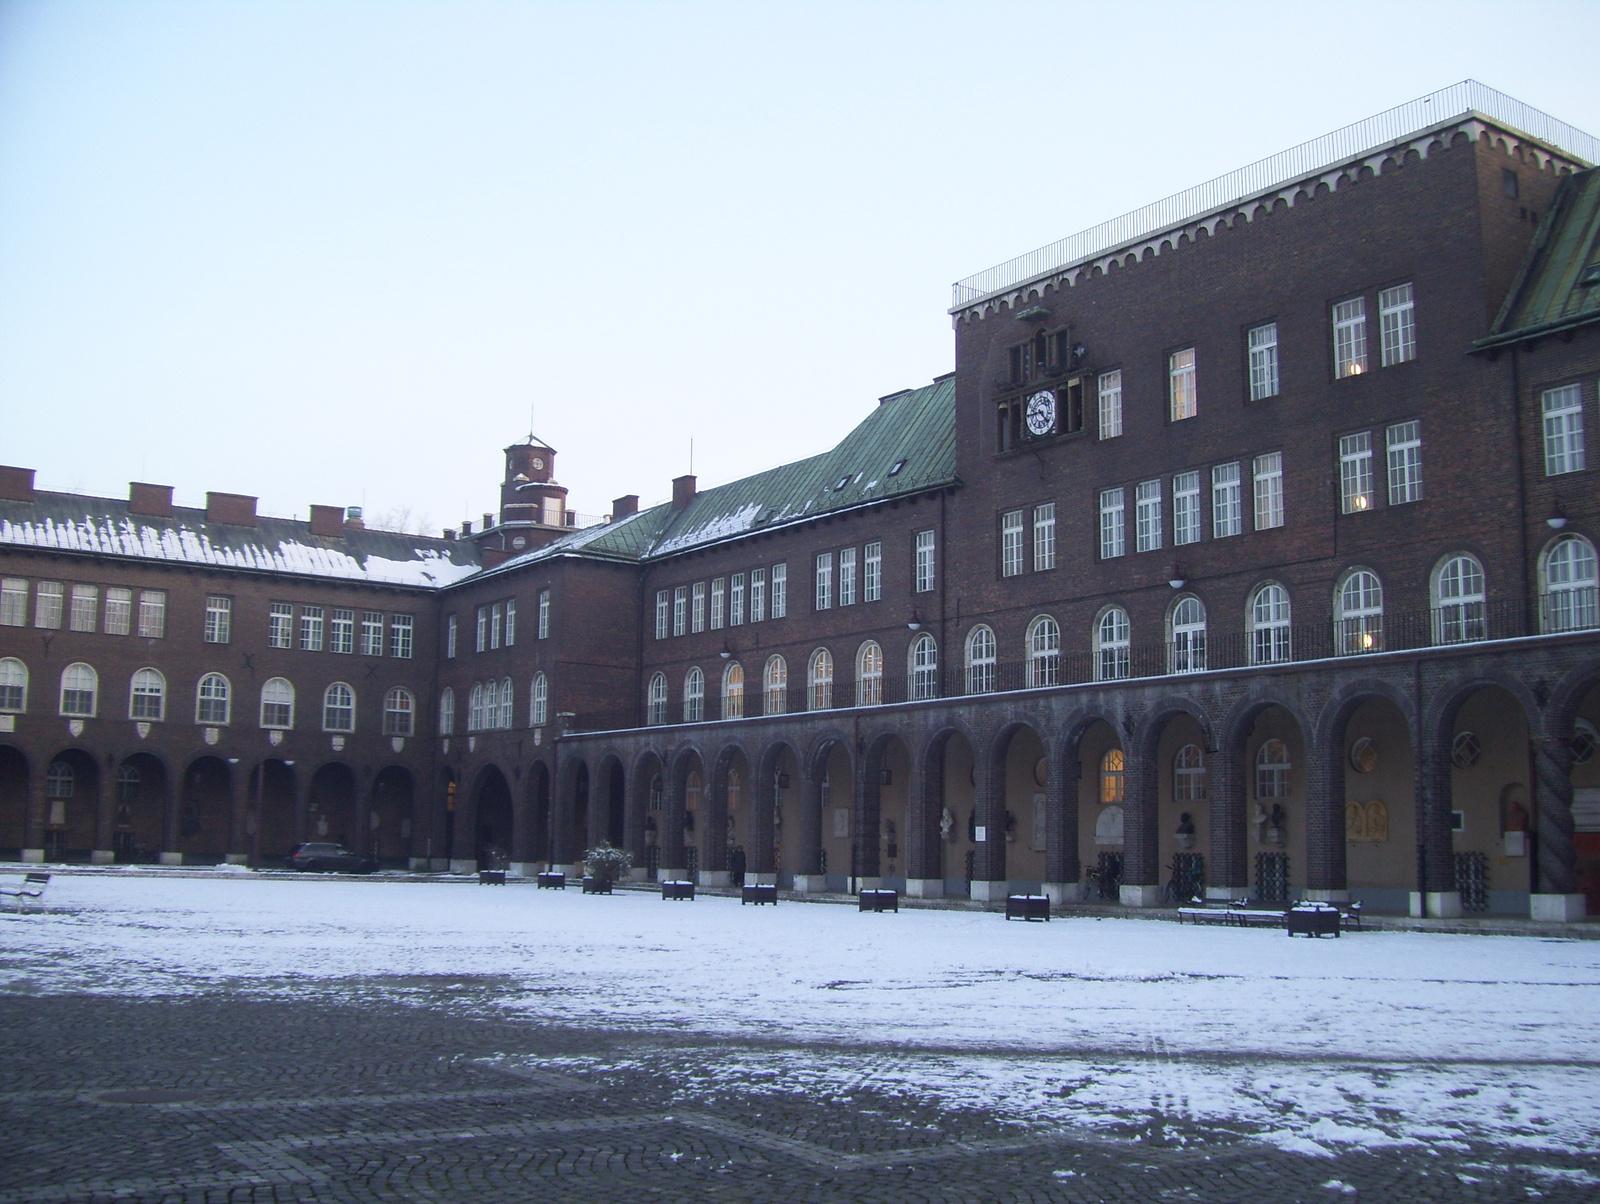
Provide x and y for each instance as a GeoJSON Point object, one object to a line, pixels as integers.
{"type": "Point", "coordinates": [138, 815]}
{"type": "Point", "coordinates": [1102, 800]}
{"type": "Point", "coordinates": [270, 823]}
{"type": "Point", "coordinates": [727, 826]}
{"type": "Point", "coordinates": [491, 808]}
{"type": "Point", "coordinates": [331, 809]}
{"type": "Point", "coordinates": [534, 835]}
{"type": "Point", "coordinates": [832, 788]}
{"type": "Point", "coordinates": [72, 804]}
{"type": "Point", "coordinates": [1584, 745]}
{"type": "Point", "coordinates": [1009, 834]}
{"type": "Point", "coordinates": [1183, 809]}
{"type": "Point", "coordinates": [883, 837]}
{"type": "Point", "coordinates": [1487, 745]}
{"type": "Point", "coordinates": [647, 803]}
{"type": "Point", "coordinates": [205, 811]}
{"type": "Point", "coordinates": [1377, 768]}
{"type": "Point", "coordinates": [391, 814]}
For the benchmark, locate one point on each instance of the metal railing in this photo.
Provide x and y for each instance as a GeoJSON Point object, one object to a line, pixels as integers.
{"type": "Point", "coordinates": [1455, 103]}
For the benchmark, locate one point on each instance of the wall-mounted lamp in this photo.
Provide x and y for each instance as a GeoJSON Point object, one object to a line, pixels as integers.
{"type": "Point", "coordinates": [1557, 519]}
{"type": "Point", "coordinates": [726, 651]}
{"type": "Point", "coordinates": [915, 622]}
{"type": "Point", "coordinates": [1175, 577]}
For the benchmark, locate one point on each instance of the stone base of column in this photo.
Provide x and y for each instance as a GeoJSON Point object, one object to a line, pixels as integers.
{"type": "Point", "coordinates": [570, 870]}
{"type": "Point", "coordinates": [102, 857]}
{"type": "Point", "coordinates": [984, 891]}
{"type": "Point", "coordinates": [521, 869]}
{"type": "Point", "coordinates": [667, 873]}
{"type": "Point", "coordinates": [419, 864]}
{"type": "Point", "coordinates": [439, 865]}
{"type": "Point", "coordinates": [869, 882]}
{"type": "Point", "coordinates": [462, 865]}
{"type": "Point", "coordinates": [1441, 904]}
{"type": "Point", "coordinates": [1319, 895]}
{"type": "Point", "coordinates": [1139, 896]}
{"type": "Point", "coordinates": [236, 859]}
{"type": "Point", "coordinates": [1226, 894]}
{"type": "Point", "coordinates": [1063, 892]}
{"type": "Point", "coordinates": [1559, 909]}
{"type": "Point", "coordinates": [639, 873]}
{"type": "Point", "coordinates": [714, 878]}
{"type": "Point", "coordinates": [168, 859]}
{"type": "Point", "coordinates": [810, 884]}
{"type": "Point", "coordinates": [762, 879]}
{"type": "Point", "coordinates": [924, 888]}
{"type": "Point", "coordinates": [33, 855]}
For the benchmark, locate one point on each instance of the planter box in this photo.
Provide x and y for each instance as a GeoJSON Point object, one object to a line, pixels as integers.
{"type": "Point", "coordinates": [677, 890]}
{"type": "Point", "coordinates": [1028, 907]}
{"type": "Point", "coordinates": [552, 881]}
{"type": "Point", "coordinates": [491, 877]}
{"type": "Point", "coordinates": [765, 893]}
{"type": "Point", "coordinates": [596, 886]}
{"type": "Point", "coordinates": [879, 900]}
{"type": "Point", "coordinates": [1312, 921]}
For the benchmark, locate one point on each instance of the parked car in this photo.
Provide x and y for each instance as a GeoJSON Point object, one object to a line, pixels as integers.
{"type": "Point", "coordinates": [333, 858]}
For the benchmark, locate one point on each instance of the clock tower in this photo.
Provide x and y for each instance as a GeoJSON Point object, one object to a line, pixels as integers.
{"type": "Point", "coordinates": [533, 508]}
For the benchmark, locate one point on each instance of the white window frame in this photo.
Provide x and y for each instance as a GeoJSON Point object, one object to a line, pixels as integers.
{"type": "Point", "coordinates": [1563, 430]}
{"type": "Point", "coordinates": [758, 595]}
{"type": "Point", "coordinates": [539, 701]}
{"type": "Point", "coordinates": [447, 712]}
{"type": "Point", "coordinates": [402, 636]}
{"type": "Point", "coordinates": [824, 581]}
{"type": "Point", "coordinates": [13, 686]}
{"type": "Point", "coordinates": [780, 591]}
{"type": "Point", "coordinates": [1044, 653]}
{"type": "Point", "coordinates": [680, 610]}
{"type": "Point", "coordinates": [1270, 615]}
{"type": "Point", "coordinates": [1044, 537]}
{"type": "Point", "coordinates": [1186, 524]}
{"type": "Point", "coordinates": [1189, 774]}
{"type": "Point", "coordinates": [694, 695]}
{"type": "Point", "coordinates": [49, 603]}
{"type": "Point", "coordinates": [152, 614]}
{"type": "Point", "coordinates": [982, 651]}
{"type": "Point", "coordinates": [663, 613]}
{"type": "Point", "coordinates": [1182, 390]}
{"type": "Point", "coordinates": [1571, 585]}
{"type": "Point", "coordinates": [1267, 477]}
{"type": "Point", "coordinates": [1403, 441]}
{"type": "Point", "coordinates": [925, 562]}
{"type": "Point", "coordinates": [147, 696]}
{"type": "Point", "coordinates": [1358, 613]}
{"type": "Point", "coordinates": [1110, 396]}
{"type": "Point", "coordinates": [1460, 600]}
{"type": "Point", "coordinates": [334, 712]}
{"type": "Point", "coordinates": [869, 674]}
{"type": "Point", "coordinates": [1186, 635]}
{"type": "Point", "coordinates": [697, 607]}
{"type": "Point", "coordinates": [1262, 344]}
{"type": "Point", "coordinates": [542, 615]}
{"type": "Point", "coordinates": [219, 620]}
{"type": "Point", "coordinates": [119, 611]}
{"type": "Point", "coordinates": [1397, 325]}
{"type": "Point", "coordinates": [213, 700]}
{"type": "Point", "coordinates": [14, 602]}
{"type": "Point", "coordinates": [372, 633]}
{"type": "Point", "coordinates": [1011, 543]}
{"type": "Point", "coordinates": [819, 681]}
{"type": "Point", "coordinates": [497, 620]}
{"type": "Point", "coordinates": [1113, 647]}
{"type": "Point", "coordinates": [1113, 521]}
{"type": "Point", "coordinates": [733, 690]}
{"type": "Point", "coordinates": [719, 603]}
{"type": "Point", "coordinates": [511, 622]}
{"type": "Point", "coordinates": [872, 571]}
{"type": "Point", "coordinates": [399, 712]}
{"type": "Point", "coordinates": [281, 718]}
{"type": "Point", "coordinates": [1227, 506]}
{"type": "Point", "coordinates": [313, 630]}
{"type": "Point", "coordinates": [775, 686]}
{"type": "Point", "coordinates": [1272, 768]}
{"type": "Point", "coordinates": [1350, 338]}
{"type": "Point", "coordinates": [85, 612]}
{"type": "Point", "coordinates": [342, 631]}
{"type": "Point", "coordinates": [81, 707]}
{"type": "Point", "coordinates": [450, 628]}
{"type": "Point", "coordinates": [923, 668]}
{"type": "Point", "coordinates": [656, 701]}
{"type": "Point", "coordinates": [736, 600]}
{"type": "Point", "coordinates": [280, 625]}
{"type": "Point", "coordinates": [1356, 492]}
{"type": "Point", "coordinates": [847, 576]}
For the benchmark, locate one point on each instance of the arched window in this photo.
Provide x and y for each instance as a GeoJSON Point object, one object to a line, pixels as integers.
{"type": "Point", "coordinates": [508, 695]}
{"type": "Point", "coordinates": [924, 668]}
{"type": "Point", "coordinates": [1113, 777]}
{"type": "Point", "coordinates": [819, 681]}
{"type": "Point", "coordinates": [447, 712]}
{"type": "Point", "coordinates": [1269, 625]}
{"type": "Point", "coordinates": [338, 708]}
{"type": "Point", "coordinates": [213, 700]}
{"type": "Point", "coordinates": [981, 653]}
{"type": "Point", "coordinates": [475, 708]}
{"type": "Point", "coordinates": [1358, 620]}
{"type": "Point", "coordinates": [869, 674]}
{"type": "Point", "coordinates": [1112, 659]}
{"type": "Point", "coordinates": [775, 686]}
{"type": "Point", "coordinates": [1458, 602]}
{"type": "Point", "coordinates": [656, 700]}
{"type": "Point", "coordinates": [694, 696]}
{"type": "Point", "coordinates": [1272, 770]}
{"type": "Point", "coordinates": [127, 784]}
{"type": "Point", "coordinates": [733, 691]}
{"type": "Point", "coordinates": [539, 701]}
{"type": "Point", "coordinates": [13, 685]}
{"type": "Point", "coordinates": [59, 781]}
{"type": "Point", "coordinates": [1189, 774]}
{"type": "Point", "coordinates": [1569, 602]}
{"type": "Point", "coordinates": [1186, 650]}
{"type": "Point", "coordinates": [1044, 652]}
{"type": "Point", "coordinates": [277, 704]}
{"type": "Point", "coordinates": [80, 687]}
{"type": "Point", "coordinates": [147, 696]}
{"type": "Point", "coordinates": [399, 712]}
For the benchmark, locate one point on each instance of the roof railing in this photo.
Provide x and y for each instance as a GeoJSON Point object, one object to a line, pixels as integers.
{"type": "Point", "coordinates": [1437, 109]}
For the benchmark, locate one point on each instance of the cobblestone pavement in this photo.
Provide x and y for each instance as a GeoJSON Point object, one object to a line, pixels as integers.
{"type": "Point", "coordinates": [422, 1092]}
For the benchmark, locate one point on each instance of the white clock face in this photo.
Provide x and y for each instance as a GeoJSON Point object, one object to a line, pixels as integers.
{"type": "Point", "coordinates": [538, 463]}
{"type": "Point", "coordinates": [1042, 413]}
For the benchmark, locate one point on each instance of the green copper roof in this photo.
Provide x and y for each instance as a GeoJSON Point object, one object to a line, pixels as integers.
{"type": "Point", "coordinates": [1550, 292]}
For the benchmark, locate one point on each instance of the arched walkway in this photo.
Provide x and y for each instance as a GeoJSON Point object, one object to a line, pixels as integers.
{"type": "Point", "coordinates": [205, 811]}
{"type": "Point", "coordinates": [491, 811]}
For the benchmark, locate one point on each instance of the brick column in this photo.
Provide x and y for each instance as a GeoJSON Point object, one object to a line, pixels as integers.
{"type": "Point", "coordinates": [924, 804]}
{"type": "Point", "coordinates": [1228, 872]}
{"type": "Point", "coordinates": [1325, 838]}
{"type": "Point", "coordinates": [1557, 897]}
{"type": "Point", "coordinates": [674, 858]}
{"type": "Point", "coordinates": [761, 865]}
{"type": "Point", "coordinates": [105, 811]}
{"type": "Point", "coordinates": [1061, 862]}
{"type": "Point", "coordinates": [989, 866]}
{"type": "Point", "coordinates": [171, 804]}
{"type": "Point", "coordinates": [238, 803]}
{"type": "Point", "coordinates": [1141, 849]}
{"type": "Point", "coordinates": [714, 872]}
{"type": "Point", "coordinates": [563, 811]}
{"type": "Point", "coordinates": [808, 834]}
{"type": "Point", "coordinates": [1438, 894]}
{"type": "Point", "coordinates": [33, 826]}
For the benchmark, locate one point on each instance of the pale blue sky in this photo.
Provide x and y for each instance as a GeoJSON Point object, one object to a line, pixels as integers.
{"type": "Point", "coordinates": [336, 252]}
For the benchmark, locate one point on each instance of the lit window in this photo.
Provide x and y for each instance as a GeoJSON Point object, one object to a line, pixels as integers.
{"type": "Point", "coordinates": [1269, 625]}
{"type": "Point", "coordinates": [1147, 516]}
{"type": "Point", "coordinates": [1186, 508]}
{"type": "Point", "coordinates": [1011, 543]}
{"type": "Point", "coordinates": [736, 600]}
{"type": "Point", "coordinates": [311, 630]}
{"type": "Point", "coordinates": [1181, 384]}
{"type": "Point", "coordinates": [1459, 601]}
{"type": "Point", "coordinates": [1563, 430]}
{"type": "Point", "coordinates": [872, 579]}
{"type": "Point", "coordinates": [924, 675]}
{"type": "Point", "coordinates": [1268, 475]}
{"type": "Point", "coordinates": [400, 636]}
{"type": "Point", "coordinates": [819, 681]}
{"type": "Point", "coordinates": [342, 632]}
{"type": "Point", "coordinates": [758, 595]}
{"type": "Point", "coordinates": [147, 696]}
{"type": "Point", "coordinates": [680, 610]}
{"type": "Point", "coordinates": [119, 611]}
{"type": "Point", "coordinates": [47, 604]}
{"type": "Point", "coordinates": [1111, 523]}
{"type": "Point", "coordinates": [1112, 633]}
{"type": "Point", "coordinates": [277, 704]}
{"type": "Point", "coordinates": [733, 691]}
{"type": "Point", "coordinates": [780, 590]}
{"type": "Point", "coordinates": [869, 674]}
{"type": "Point", "coordinates": [1189, 775]}
{"type": "Point", "coordinates": [1350, 338]}
{"type": "Point", "coordinates": [1227, 512]}
{"type": "Point", "coordinates": [824, 599]}
{"type": "Point", "coordinates": [1358, 622]}
{"type": "Point", "coordinates": [213, 700]}
{"type": "Point", "coordinates": [13, 685]}
{"type": "Point", "coordinates": [85, 614]}
{"type": "Point", "coordinates": [1113, 777]}
{"type": "Point", "coordinates": [719, 603]}
{"type": "Point", "coordinates": [924, 561]}
{"type": "Point", "coordinates": [1044, 652]}
{"type": "Point", "coordinates": [1397, 331]}
{"type": "Point", "coordinates": [1570, 586]}
{"type": "Point", "coordinates": [694, 696]}
{"type": "Point", "coordinates": [1263, 344]}
{"type": "Point", "coordinates": [1187, 649]}
{"type": "Point", "coordinates": [656, 700]}
{"type": "Point", "coordinates": [1272, 770]}
{"type": "Point", "coordinates": [447, 712]}
{"type": "Point", "coordinates": [219, 620]}
{"type": "Point", "coordinates": [1405, 462]}
{"type": "Point", "coordinates": [1044, 537]}
{"type": "Point", "coordinates": [663, 613]}
{"type": "Point", "coordinates": [697, 607]}
{"type": "Point", "coordinates": [399, 712]}
{"type": "Point", "coordinates": [80, 686]}
{"type": "Point", "coordinates": [153, 613]}
{"type": "Point", "coordinates": [775, 686]}
{"type": "Point", "coordinates": [981, 654]}
{"type": "Point", "coordinates": [339, 708]}
{"type": "Point", "coordinates": [1110, 404]}
{"type": "Point", "coordinates": [847, 577]}
{"type": "Point", "coordinates": [1355, 472]}
{"type": "Point", "coordinates": [14, 602]}
{"type": "Point", "coordinates": [371, 633]}
{"type": "Point", "coordinates": [280, 625]}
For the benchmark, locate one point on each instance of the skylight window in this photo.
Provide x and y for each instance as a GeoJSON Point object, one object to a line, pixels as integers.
{"type": "Point", "coordinates": [898, 465]}
{"type": "Point", "coordinates": [843, 481]}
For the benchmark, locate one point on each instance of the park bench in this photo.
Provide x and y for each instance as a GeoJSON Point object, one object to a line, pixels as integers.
{"type": "Point", "coordinates": [758, 894]}
{"type": "Point", "coordinates": [879, 900]}
{"type": "Point", "coordinates": [31, 887]}
{"type": "Point", "coordinates": [1028, 907]}
{"type": "Point", "coordinates": [678, 890]}
{"type": "Point", "coordinates": [552, 881]}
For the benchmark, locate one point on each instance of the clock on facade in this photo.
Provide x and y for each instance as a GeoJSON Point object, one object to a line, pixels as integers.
{"type": "Point", "coordinates": [538, 463]}
{"type": "Point", "coordinates": [1041, 413]}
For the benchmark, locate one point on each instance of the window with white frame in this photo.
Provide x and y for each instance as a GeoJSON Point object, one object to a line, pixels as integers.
{"type": "Point", "coordinates": [925, 565]}
{"type": "Point", "coordinates": [680, 610]}
{"type": "Point", "coordinates": [924, 666]}
{"type": "Point", "coordinates": [311, 631]}
{"type": "Point", "coordinates": [733, 691]}
{"type": "Point", "coordinates": [449, 638]}
{"type": "Point", "coordinates": [447, 712]}
{"type": "Point", "coordinates": [1272, 770]}
{"type": "Point", "coordinates": [847, 577]}
{"type": "Point", "coordinates": [14, 602]}
{"type": "Point", "coordinates": [47, 604]}
{"type": "Point", "coordinates": [1185, 508]}
{"type": "Point", "coordinates": [824, 598]}
{"type": "Point", "coordinates": [1269, 625]}
{"type": "Point", "coordinates": [719, 603]}
{"type": "Point", "coordinates": [219, 620]}
{"type": "Point", "coordinates": [775, 686]}
{"type": "Point", "coordinates": [1404, 441]}
{"type": "Point", "coordinates": [656, 701]}
{"type": "Point", "coordinates": [663, 613]}
{"type": "Point", "coordinates": [399, 712]}
{"type": "Point", "coordinates": [869, 674]}
{"type": "Point", "coordinates": [697, 607]}
{"type": "Point", "coordinates": [1112, 652]}
{"type": "Point", "coordinates": [401, 631]}
{"type": "Point", "coordinates": [280, 625]}
{"type": "Point", "coordinates": [1563, 430]}
{"type": "Point", "coordinates": [780, 590]}
{"type": "Point", "coordinates": [497, 619]}
{"type": "Point", "coordinates": [1044, 652]}
{"type": "Point", "coordinates": [339, 708]}
{"type": "Point", "coordinates": [213, 700]}
{"type": "Point", "coordinates": [872, 572]}
{"type": "Point", "coordinates": [1110, 384]}
{"type": "Point", "coordinates": [85, 613]}
{"type": "Point", "coordinates": [1263, 347]}
{"type": "Point", "coordinates": [1397, 327]}
{"type": "Point", "coordinates": [694, 696]}
{"type": "Point", "coordinates": [1350, 338]}
{"type": "Point", "coordinates": [59, 780]}
{"type": "Point", "coordinates": [736, 600]}
{"type": "Point", "coordinates": [119, 611]}
{"type": "Point", "coordinates": [539, 701]}
{"type": "Point", "coordinates": [508, 695]}
{"type": "Point", "coordinates": [1187, 647]}
{"type": "Point", "coordinates": [819, 681]}
{"type": "Point", "coordinates": [542, 616]}
{"type": "Point", "coordinates": [372, 633]}
{"type": "Point", "coordinates": [482, 643]}
{"type": "Point", "coordinates": [147, 696]}
{"type": "Point", "coordinates": [342, 632]}
{"type": "Point", "coordinates": [1189, 775]}
{"type": "Point", "coordinates": [475, 708]}
{"type": "Point", "coordinates": [1181, 384]}
{"type": "Point", "coordinates": [1011, 543]}
{"type": "Point", "coordinates": [511, 622]}
{"type": "Point", "coordinates": [1268, 477]}
{"type": "Point", "coordinates": [1147, 516]}
{"type": "Point", "coordinates": [1355, 472]}
{"type": "Point", "coordinates": [1227, 511]}
{"type": "Point", "coordinates": [80, 689]}
{"type": "Point", "coordinates": [277, 704]}
{"type": "Point", "coordinates": [1044, 537]}
{"type": "Point", "coordinates": [982, 650]}
{"type": "Point", "coordinates": [1459, 601]}
{"type": "Point", "coordinates": [152, 614]}
{"type": "Point", "coordinates": [1112, 508]}
{"type": "Point", "coordinates": [1570, 586]}
{"type": "Point", "coordinates": [1358, 614]}
{"type": "Point", "coordinates": [13, 685]}
{"type": "Point", "coordinates": [758, 595]}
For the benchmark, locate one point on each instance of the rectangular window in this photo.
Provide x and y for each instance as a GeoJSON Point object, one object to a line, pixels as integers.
{"type": "Point", "coordinates": [119, 611]}
{"type": "Point", "coordinates": [1263, 344]}
{"type": "Point", "coordinates": [824, 581]}
{"type": "Point", "coordinates": [1350, 338]}
{"type": "Point", "coordinates": [280, 625]}
{"type": "Point", "coordinates": [1186, 508]}
{"type": "Point", "coordinates": [925, 565]}
{"type": "Point", "coordinates": [219, 620]}
{"type": "Point", "coordinates": [680, 610]}
{"type": "Point", "coordinates": [497, 620]}
{"type": "Point", "coordinates": [1397, 330]}
{"type": "Point", "coordinates": [153, 613]}
{"type": "Point", "coordinates": [736, 600]}
{"type": "Point", "coordinates": [449, 637]}
{"type": "Point", "coordinates": [47, 603]}
{"type": "Point", "coordinates": [758, 595]}
{"type": "Point", "coordinates": [1269, 490]}
{"type": "Point", "coordinates": [1111, 534]}
{"type": "Point", "coordinates": [14, 602]}
{"type": "Point", "coordinates": [719, 603]}
{"type": "Point", "coordinates": [371, 633]}
{"type": "Point", "coordinates": [780, 590]}
{"type": "Point", "coordinates": [1181, 385]}
{"type": "Point", "coordinates": [511, 622]}
{"type": "Point", "coordinates": [1227, 517]}
{"type": "Point", "coordinates": [401, 629]}
{"type": "Point", "coordinates": [342, 632]}
{"type": "Point", "coordinates": [847, 577]}
{"type": "Point", "coordinates": [85, 608]}
{"type": "Point", "coordinates": [1011, 543]}
{"type": "Point", "coordinates": [1044, 537]}
{"type": "Point", "coordinates": [663, 613]}
{"type": "Point", "coordinates": [1405, 462]}
{"type": "Point", "coordinates": [482, 642]}
{"type": "Point", "coordinates": [1147, 516]}
{"type": "Point", "coordinates": [1563, 430]}
{"type": "Point", "coordinates": [697, 611]}
{"type": "Point", "coordinates": [1110, 404]}
{"type": "Point", "coordinates": [543, 622]}
{"type": "Point", "coordinates": [1355, 472]}
{"type": "Point", "coordinates": [311, 628]}
{"type": "Point", "coordinates": [872, 580]}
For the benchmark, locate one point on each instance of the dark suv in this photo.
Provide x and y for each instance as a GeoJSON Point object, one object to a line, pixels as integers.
{"type": "Point", "coordinates": [329, 858]}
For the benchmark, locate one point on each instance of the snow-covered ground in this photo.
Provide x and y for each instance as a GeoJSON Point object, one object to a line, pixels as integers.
{"type": "Point", "coordinates": [1379, 1037]}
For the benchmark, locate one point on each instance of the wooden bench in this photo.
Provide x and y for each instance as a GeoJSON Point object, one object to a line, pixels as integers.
{"type": "Point", "coordinates": [596, 886]}
{"type": "Point", "coordinates": [32, 886]}
{"type": "Point", "coordinates": [552, 881]}
{"type": "Point", "coordinates": [758, 894]}
{"type": "Point", "coordinates": [491, 877]}
{"type": "Point", "coordinates": [1028, 907]}
{"type": "Point", "coordinates": [678, 890]}
{"type": "Point", "coordinates": [879, 900]}
{"type": "Point", "coordinates": [1203, 915]}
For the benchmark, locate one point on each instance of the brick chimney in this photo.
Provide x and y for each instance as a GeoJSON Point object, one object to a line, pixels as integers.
{"type": "Point", "coordinates": [682, 492]}
{"type": "Point", "coordinates": [328, 521]}
{"type": "Point", "coordinates": [152, 500]}
{"type": "Point", "coordinates": [16, 484]}
{"type": "Point", "coordinates": [353, 520]}
{"type": "Point", "coordinates": [624, 506]}
{"type": "Point", "coordinates": [235, 509]}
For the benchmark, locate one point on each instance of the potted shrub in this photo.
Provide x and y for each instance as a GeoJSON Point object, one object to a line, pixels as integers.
{"type": "Point", "coordinates": [606, 865]}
